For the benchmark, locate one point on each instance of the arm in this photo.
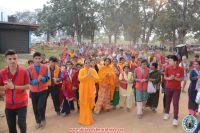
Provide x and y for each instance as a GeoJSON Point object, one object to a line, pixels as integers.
{"type": "Point", "coordinates": [181, 75]}
{"type": "Point", "coordinates": [193, 77]}
{"type": "Point", "coordinates": [95, 75]}
{"type": "Point", "coordinates": [46, 77]}
{"type": "Point", "coordinates": [81, 75]}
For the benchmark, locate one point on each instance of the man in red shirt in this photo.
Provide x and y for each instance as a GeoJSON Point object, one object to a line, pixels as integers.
{"type": "Point", "coordinates": [14, 80]}
{"type": "Point", "coordinates": [173, 75]}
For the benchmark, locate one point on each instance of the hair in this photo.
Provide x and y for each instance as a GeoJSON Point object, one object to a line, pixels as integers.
{"type": "Point", "coordinates": [115, 59]}
{"type": "Point", "coordinates": [121, 58]}
{"type": "Point", "coordinates": [173, 57]}
{"type": "Point", "coordinates": [168, 56]}
{"type": "Point", "coordinates": [133, 57]}
{"type": "Point", "coordinates": [53, 59]}
{"type": "Point", "coordinates": [155, 64]}
{"type": "Point", "coordinates": [108, 59]}
{"type": "Point", "coordinates": [87, 59]}
{"type": "Point", "coordinates": [198, 62]}
{"type": "Point", "coordinates": [30, 61]}
{"type": "Point", "coordinates": [144, 61]}
{"type": "Point", "coordinates": [126, 66]}
{"type": "Point", "coordinates": [10, 52]}
{"type": "Point", "coordinates": [79, 64]}
{"type": "Point", "coordinates": [196, 56]}
{"type": "Point", "coordinates": [37, 54]}
{"type": "Point", "coordinates": [69, 62]}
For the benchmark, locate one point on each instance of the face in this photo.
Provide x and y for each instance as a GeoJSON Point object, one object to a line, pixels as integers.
{"type": "Point", "coordinates": [133, 59]}
{"type": "Point", "coordinates": [87, 63]}
{"type": "Point", "coordinates": [196, 65]}
{"type": "Point", "coordinates": [144, 64]}
{"type": "Point", "coordinates": [152, 67]}
{"type": "Point", "coordinates": [92, 63]}
{"type": "Point", "coordinates": [115, 62]}
{"type": "Point", "coordinates": [79, 67]}
{"type": "Point", "coordinates": [107, 62]}
{"type": "Point", "coordinates": [126, 69]}
{"type": "Point", "coordinates": [37, 60]}
{"type": "Point", "coordinates": [11, 60]}
{"type": "Point", "coordinates": [52, 64]}
{"type": "Point", "coordinates": [171, 62]}
{"type": "Point", "coordinates": [69, 65]}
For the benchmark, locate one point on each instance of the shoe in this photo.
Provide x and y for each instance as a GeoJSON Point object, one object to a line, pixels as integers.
{"type": "Point", "coordinates": [139, 116]}
{"type": "Point", "coordinates": [128, 109]}
{"type": "Point", "coordinates": [38, 125]}
{"type": "Point", "coordinates": [175, 123]}
{"type": "Point", "coordinates": [63, 114]}
{"type": "Point", "coordinates": [43, 124]}
{"type": "Point", "coordinates": [153, 110]}
{"type": "Point", "coordinates": [58, 113]}
{"type": "Point", "coordinates": [166, 116]}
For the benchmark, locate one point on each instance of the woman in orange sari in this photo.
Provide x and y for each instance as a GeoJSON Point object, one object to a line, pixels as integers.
{"type": "Point", "coordinates": [106, 86]}
{"type": "Point", "coordinates": [87, 91]}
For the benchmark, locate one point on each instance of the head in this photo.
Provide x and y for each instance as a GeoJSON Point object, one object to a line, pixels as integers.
{"type": "Point", "coordinates": [115, 61]}
{"type": "Point", "coordinates": [196, 57]}
{"type": "Point", "coordinates": [121, 60]}
{"type": "Point", "coordinates": [184, 58]}
{"type": "Point", "coordinates": [37, 58]}
{"type": "Point", "coordinates": [92, 63]}
{"type": "Point", "coordinates": [87, 62]}
{"type": "Point", "coordinates": [75, 58]}
{"type": "Point", "coordinates": [143, 63]}
{"type": "Point", "coordinates": [69, 65]}
{"type": "Point", "coordinates": [154, 66]}
{"type": "Point", "coordinates": [53, 61]}
{"type": "Point", "coordinates": [173, 60]}
{"type": "Point", "coordinates": [79, 66]}
{"type": "Point", "coordinates": [133, 58]}
{"type": "Point", "coordinates": [196, 64]}
{"type": "Point", "coordinates": [30, 62]}
{"type": "Point", "coordinates": [126, 68]}
{"type": "Point", "coordinates": [121, 51]}
{"type": "Point", "coordinates": [107, 61]}
{"type": "Point", "coordinates": [11, 58]}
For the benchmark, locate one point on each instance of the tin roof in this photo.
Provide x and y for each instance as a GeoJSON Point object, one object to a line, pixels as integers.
{"type": "Point", "coordinates": [18, 26]}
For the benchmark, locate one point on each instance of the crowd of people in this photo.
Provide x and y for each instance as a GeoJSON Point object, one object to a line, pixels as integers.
{"type": "Point", "coordinates": [95, 80]}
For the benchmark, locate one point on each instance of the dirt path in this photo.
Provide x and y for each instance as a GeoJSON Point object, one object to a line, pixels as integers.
{"type": "Point", "coordinates": [151, 122]}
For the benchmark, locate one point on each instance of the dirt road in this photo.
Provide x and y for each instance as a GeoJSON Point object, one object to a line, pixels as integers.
{"type": "Point", "coordinates": [151, 122]}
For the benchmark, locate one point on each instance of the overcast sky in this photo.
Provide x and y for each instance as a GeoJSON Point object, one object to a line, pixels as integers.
{"type": "Point", "coordinates": [9, 7]}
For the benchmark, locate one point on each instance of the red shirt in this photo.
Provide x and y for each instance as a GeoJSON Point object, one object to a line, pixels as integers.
{"type": "Point", "coordinates": [177, 72]}
{"type": "Point", "coordinates": [18, 97]}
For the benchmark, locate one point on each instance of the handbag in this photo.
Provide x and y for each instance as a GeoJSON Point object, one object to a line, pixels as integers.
{"type": "Point", "coordinates": [150, 88]}
{"type": "Point", "coordinates": [197, 99]}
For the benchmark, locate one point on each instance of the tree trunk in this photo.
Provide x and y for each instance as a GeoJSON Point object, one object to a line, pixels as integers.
{"type": "Point", "coordinates": [174, 38]}
{"type": "Point", "coordinates": [115, 39]}
{"type": "Point", "coordinates": [48, 36]}
{"type": "Point", "coordinates": [109, 39]}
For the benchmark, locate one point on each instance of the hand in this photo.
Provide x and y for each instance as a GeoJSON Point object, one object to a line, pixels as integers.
{"type": "Point", "coordinates": [108, 74]}
{"type": "Point", "coordinates": [129, 82]}
{"type": "Point", "coordinates": [171, 77]}
{"type": "Point", "coordinates": [55, 79]}
{"type": "Point", "coordinates": [9, 84]}
{"type": "Point", "coordinates": [89, 73]}
{"type": "Point", "coordinates": [152, 80]}
{"type": "Point", "coordinates": [39, 77]}
{"type": "Point", "coordinates": [74, 88]}
{"type": "Point", "coordinates": [198, 76]}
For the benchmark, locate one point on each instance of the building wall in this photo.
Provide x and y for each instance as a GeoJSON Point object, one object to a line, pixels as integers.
{"type": "Point", "coordinates": [14, 39]}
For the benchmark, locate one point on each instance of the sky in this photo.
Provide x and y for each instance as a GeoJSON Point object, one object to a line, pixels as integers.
{"type": "Point", "coordinates": [9, 7]}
